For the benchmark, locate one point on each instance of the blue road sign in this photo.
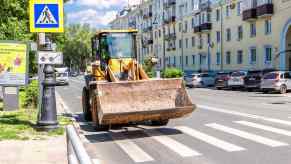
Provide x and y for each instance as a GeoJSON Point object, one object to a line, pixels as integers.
{"type": "Point", "coordinates": [46, 15]}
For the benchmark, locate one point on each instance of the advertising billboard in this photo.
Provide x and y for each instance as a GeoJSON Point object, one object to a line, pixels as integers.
{"type": "Point", "coordinates": [13, 63]}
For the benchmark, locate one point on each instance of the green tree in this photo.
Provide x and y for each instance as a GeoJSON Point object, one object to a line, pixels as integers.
{"type": "Point", "coordinates": [76, 45]}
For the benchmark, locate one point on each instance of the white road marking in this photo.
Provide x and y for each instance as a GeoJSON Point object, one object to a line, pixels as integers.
{"type": "Point", "coordinates": [210, 140]}
{"type": "Point", "coordinates": [131, 149]}
{"type": "Point", "coordinates": [97, 161]}
{"type": "Point", "coordinates": [60, 100]}
{"type": "Point", "coordinates": [274, 120]}
{"type": "Point", "coordinates": [175, 146]}
{"type": "Point", "coordinates": [246, 135]}
{"type": "Point", "coordinates": [264, 127]}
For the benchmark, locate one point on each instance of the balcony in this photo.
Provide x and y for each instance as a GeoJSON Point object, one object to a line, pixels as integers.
{"type": "Point", "coordinates": [206, 27]}
{"type": "Point", "coordinates": [250, 14]}
{"type": "Point", "coordinates": [197, 29]}
{"type": "Point", "coordinates": [265, 10]}
{"type": "Point", "coordinates": [169, 3]}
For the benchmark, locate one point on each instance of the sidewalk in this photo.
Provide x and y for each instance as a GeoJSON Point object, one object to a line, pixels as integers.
{"type": "Point", "coordinates": [48, 151]}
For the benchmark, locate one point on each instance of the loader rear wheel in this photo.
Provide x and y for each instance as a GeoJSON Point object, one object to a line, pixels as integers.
{"type": "Point", "coordinates": [159, 123]}
{"type": "Point", "coordinates": [86, 105]}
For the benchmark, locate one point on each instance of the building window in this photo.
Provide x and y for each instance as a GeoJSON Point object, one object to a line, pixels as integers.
{"type": "Point", "coordinates": [239, 33]}
{"type": "Point", "coordinates": [193, 59]}
{"type": "Point", "coordinates": [239, 57]}
{"type": "Point", "coordinates": [268, 55]}
{"type": "Point", "coordinates": [228, 34]}
{"type": "Point", "coordinates": [174, 61]}
{"type": "Point", "coordinates": [227, 11]}
{"type": "Point", "coordinates": [186, 40]}
{"type": "Point", "coordinates": [200, 41]}
{"type": "Point", "coordinates": [217, 36]}
{"type": "Point", "coordinates": [253, 56]}
{"type": "Point", "coordinates": [193, 22]}
{"type": "Point", "coordinates": [180, 43]}
{"type": "Point", "coordinates": [193, 41]}
{"type": "Point", "coordinates": [217, 15]}
{"type": "Point", "coordinates": [239, 8]}
{"type": "Point", "coordinates": [228, 57]}
{"type": "Point", "coordinates": [159, 33]}
{"type": "Point", "coordinates": [208, 38]}
{"type": "Point", "coordinates": [180, 27]}
{"type": "Point", "coordinates": [218, 58]}
{"type": "Point", "coordinates": [185, 26]}
{"type": "Point", "coordinates": [268, 27]}
{"type": "Point", "coordinates": [186, 60]}
{"type": "Point", "coordinates": [253, 30]}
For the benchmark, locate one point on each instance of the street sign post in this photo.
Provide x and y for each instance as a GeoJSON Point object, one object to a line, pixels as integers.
{"type": "Point", "coordinates": [46, 16]}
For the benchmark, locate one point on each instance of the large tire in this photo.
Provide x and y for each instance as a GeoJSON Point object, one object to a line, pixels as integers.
{"type": "Point", "coordinates": [283, 89]}
{"type": "Point", "coordinates": [160, 123]}
{"type": "Point", "coordinates": [86, 105]}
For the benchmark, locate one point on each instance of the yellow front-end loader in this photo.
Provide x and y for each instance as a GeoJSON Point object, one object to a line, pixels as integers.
{"type": "Point", "coordinates": [118, 91]}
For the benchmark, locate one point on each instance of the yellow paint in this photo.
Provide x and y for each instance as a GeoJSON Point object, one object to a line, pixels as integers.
{"type": "Point", "coordinates": [61, 16]}
{"type": "Point", "coordinates": [117, 64]}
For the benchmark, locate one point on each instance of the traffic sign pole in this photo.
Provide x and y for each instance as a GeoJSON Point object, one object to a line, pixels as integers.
{"type": "Point", "coordinates": [47, 116]}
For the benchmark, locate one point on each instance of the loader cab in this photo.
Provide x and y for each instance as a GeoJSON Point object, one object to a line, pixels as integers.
{"type": "Point", "coordinates": [113, 45]}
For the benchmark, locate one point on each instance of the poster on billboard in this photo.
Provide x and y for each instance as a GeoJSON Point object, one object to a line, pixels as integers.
{"type": "Point", "coordinates": [13, 63]}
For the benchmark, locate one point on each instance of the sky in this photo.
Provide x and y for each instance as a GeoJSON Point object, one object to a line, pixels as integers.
{"type": "Point", "coordinates": [97, 13]}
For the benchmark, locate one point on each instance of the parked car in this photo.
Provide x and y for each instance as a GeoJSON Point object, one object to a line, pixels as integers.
{"type": "Point", "coordinates": [199, 80]}
{"type": "Point", "coordinates": [254, 78]}
{"type": "Point", "coordinates": [236, 79]}
{"type": "Point", "coordinates": [221, 80]}
{"type": "Point", "coordinates": [276, 81]}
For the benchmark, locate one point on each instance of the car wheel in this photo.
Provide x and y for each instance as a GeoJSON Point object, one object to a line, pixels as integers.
{"type": "Point", "coordinates": [283, 89]}
{"type": "Point", "coordinates": [159, 123]}
{"type": "Point", "coordinates": [86, 105]}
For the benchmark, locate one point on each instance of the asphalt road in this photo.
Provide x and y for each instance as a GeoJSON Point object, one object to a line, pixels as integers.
{"type": "Point", "coordinates": [229, 127]}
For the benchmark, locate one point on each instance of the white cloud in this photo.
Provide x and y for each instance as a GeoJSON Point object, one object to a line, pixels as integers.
{"type": "Point", "coordinates": [92, 17]}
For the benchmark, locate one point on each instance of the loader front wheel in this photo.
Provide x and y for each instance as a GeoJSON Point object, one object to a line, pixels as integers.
{"type": "Point", "coordinates": [159, 122]}
{"type": "Point", "coordinates": [86, 105]}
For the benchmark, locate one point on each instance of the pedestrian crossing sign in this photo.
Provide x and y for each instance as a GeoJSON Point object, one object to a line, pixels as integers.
{"type": "Point", "coordinates": [46, 16]}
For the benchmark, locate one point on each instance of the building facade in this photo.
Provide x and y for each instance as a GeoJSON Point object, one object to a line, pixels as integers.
{"type": "Point", "coordinates": [213, 34]}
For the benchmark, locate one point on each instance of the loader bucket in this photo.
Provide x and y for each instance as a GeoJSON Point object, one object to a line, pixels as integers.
{"type": "Point", "coordinates": [137, 101]}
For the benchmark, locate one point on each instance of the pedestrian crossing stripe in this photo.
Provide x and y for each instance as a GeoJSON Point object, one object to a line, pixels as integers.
{"type": "Point", "coordinates": [46, 16]}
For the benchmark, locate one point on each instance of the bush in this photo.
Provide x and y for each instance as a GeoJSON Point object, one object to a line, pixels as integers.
{"type": "Point", "coordinates": [29, 95]}
{"type": "Point", "coordinates": [172, 73]}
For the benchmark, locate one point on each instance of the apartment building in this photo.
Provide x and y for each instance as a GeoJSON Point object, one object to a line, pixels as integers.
{"type": "Point", "coordinates": [215, 34]}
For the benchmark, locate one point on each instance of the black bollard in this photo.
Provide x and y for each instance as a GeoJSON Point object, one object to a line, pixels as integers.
{"type": "Point", "coordinates": [47, 119]}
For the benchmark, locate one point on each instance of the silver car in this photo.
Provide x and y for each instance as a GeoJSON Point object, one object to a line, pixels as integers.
{"type": "Point", "coordinates": [236, 79]}
{"type": "Point", "coordinates": [199, 80]}
{"type": "Point", "coordinates": [276, 81]}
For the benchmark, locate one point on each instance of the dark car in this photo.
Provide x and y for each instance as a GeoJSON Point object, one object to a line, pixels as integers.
{"type": "Point", "coordinates": [221, 80]}
{"type": "Point", "coordinates": [254, 78]}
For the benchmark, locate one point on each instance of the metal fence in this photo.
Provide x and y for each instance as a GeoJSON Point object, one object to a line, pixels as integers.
{"type": "Point", "coordinates": [76, 152]}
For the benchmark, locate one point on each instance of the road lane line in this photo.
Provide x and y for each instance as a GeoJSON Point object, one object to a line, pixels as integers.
{"type": "Point", "coordinates": [130, 148]}
{"type": "Point", "coordinates": [210, 140]}
{"type": "Point", "coordinates": [264, 127]}
{"type": "Point", "coordinates": [246, 135]}
{"type": "Point", "coordinates": [274, 120]}
{"type": "Point", "coordinates": [175, 146]}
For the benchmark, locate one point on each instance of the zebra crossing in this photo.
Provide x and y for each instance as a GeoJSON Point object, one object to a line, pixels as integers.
{"type": "Point", "coordinates": [137, 153]}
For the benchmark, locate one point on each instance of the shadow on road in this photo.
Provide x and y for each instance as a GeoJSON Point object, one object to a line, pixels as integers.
{"type": "Point", "coordinates": [122, 132]}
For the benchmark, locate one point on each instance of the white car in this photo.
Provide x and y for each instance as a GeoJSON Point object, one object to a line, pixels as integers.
{"type": "Point", "coordinates": [276, 81]}
{"type": "Point", "coordinates": [62, 76]}
{"type": "Point", "coordinates": [236, 79]}
{"type": "Point", "coordinates": [199, 80]}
